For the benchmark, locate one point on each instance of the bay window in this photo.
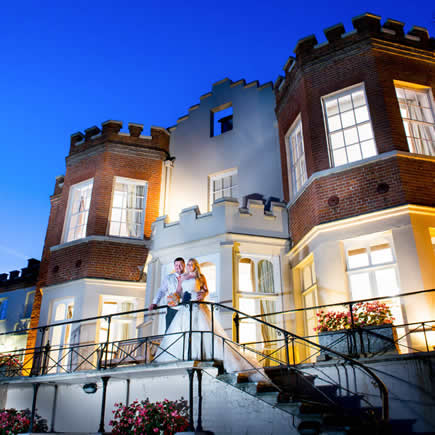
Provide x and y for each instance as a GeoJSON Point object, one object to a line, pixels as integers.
{"type": "Point", "coordinates": [296, 157]}
{"type": "Point", "coordinates": [78, 211]}
{"type": "Point", "coordinates": [417, 110]}
{"type": "Point", "coordinates": [348, 125]}
{"type": "Point", "coordinates": [128, 208]}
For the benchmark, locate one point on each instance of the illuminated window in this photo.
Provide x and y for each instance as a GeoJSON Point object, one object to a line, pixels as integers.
{"type": "Point", "coordinates": [78, 210]}
{"type": "Point", "coordinates": [128, 208]}
{"type": "Point", "coordinates": [417, 110]}
{"type": "Point", "coordinates": [296, 157]}
{"type": "Point", "coordinates": [209, 271]}
{"type": "Point", "coordinates": [30, 297]}
{"type": "Point", "coordinates": [257, 295]}
{"type": "Point", "coordinates": [350, 133]}
{"type": "Point", "coordinates": [223, 185]}
{"type": "Point", "coordinates": [432, 238]}
{"type": "Point", "coordinates": [371, 267]}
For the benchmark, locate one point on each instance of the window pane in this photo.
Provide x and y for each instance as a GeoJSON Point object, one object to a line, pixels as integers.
{"type": "Point", "coordinates": [332, 107]}
{"type": "Point", "coordinates": [350, 136]}
{"type": "Point", "coordinates": [365, 132]}
{"type": "Point", "coordinates": [347, 119]}
{"type": "Point", "coordinates": [296, 151]}
{"type": "Point", "coordinates": [340, 157]}
{"type": "Point", "coordinates": [357, 258]}
{"type": "Point", "coordinates": [368, 149]}
{"type": "Point", "coordinates": [358, 98]}
{"type": "Point", "coordinates": [337, 140]}
{"type": "Point", "coordinates": [245, 275]}
{"type": "Point", "coordinates": [381, 254]}
{"type": "Point", "coordinates": [361, 114]}
{"type": "Point", "coordinates": [345, 103]}
{"type": "Point", "coordinates": [334, 123]}
{"type": "Point", "coordinates": [360, 285]}
{"type": "Point", "coordinates": [353, 153]}
{"type": "Point", "coordinates": [386, 282]}
{"type": "Point", "coordinates": [307, 278]}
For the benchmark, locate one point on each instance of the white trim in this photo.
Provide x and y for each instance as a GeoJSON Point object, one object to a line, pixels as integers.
{"type": "Point", "coordinates": [125, 240]}
{"type": "Point", "coordinates": [357, 220]}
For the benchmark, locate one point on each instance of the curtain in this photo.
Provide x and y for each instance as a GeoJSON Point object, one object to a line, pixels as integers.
{"type": "Point", "coordinates": [266, 285]}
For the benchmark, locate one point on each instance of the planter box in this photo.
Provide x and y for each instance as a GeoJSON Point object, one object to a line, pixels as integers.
{"type": "Point", "coordinates": [369, 340]}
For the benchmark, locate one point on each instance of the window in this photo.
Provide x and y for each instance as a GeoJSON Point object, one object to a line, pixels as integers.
{"type": "Point", "coordinates": [223, 185]}
{"type": "Point", "coordinates": [371, 268]}
{"type": "Point", "coordinates": [78, 210]}
{"type": "Point", "coordinates": [432, 238]}
{"type": "Point", "coordinates": [221, 120]}
{"type": "Point", "coordinates": [257, 294]}
{"type": "Point", "coordinates": [3, 308]}
{"type": "Point", "coordinates": [296, 157]}
{"type": "Point", "coordinates": [417, 110]}
{"type": "Point", "coordinates": [208, 269]}
{"type": "Point", "coordinates": [30, 297]}
{"type": "Point", "coordinates": [348, 125]}
{"type": "Point", "coordinates": [128, 208]}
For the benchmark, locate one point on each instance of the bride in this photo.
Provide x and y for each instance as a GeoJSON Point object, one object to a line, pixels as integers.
{"type": "Point", "coordinates": [175, 344]}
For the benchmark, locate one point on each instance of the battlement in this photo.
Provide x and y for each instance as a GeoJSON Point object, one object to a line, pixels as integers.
{"type": "Point", "coordinates": [16, 279]}
{"type": "Point", "coordinates": [216, 87]}
{"type": "Point", "coordinates": [110, 131]}
{"type": "Point", "coordinates": [366, 25]}
{"type": "Point", "coordinates": [366, 28]}
{"type": "Point", "coordinates": [226, 217]}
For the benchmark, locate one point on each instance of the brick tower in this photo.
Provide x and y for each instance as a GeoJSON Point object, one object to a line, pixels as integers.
{"type": "Point", "coordinates": [357, 136]}
{"type": "Point", "coordinates": [100, 220]}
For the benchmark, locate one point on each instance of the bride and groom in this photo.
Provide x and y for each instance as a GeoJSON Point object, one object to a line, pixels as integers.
{"type": "Point", "coordinates": [179, 287]}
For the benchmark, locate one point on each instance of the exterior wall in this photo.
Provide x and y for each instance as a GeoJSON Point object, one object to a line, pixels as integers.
{"type": "Point", "coordinates": [251, 146]}
{"type": "Point", "coordinates": [408, 178]}
{"type": "Point", "coordinates": [222, 237]}
{"type": "Point", "coordinates": [226, 410]}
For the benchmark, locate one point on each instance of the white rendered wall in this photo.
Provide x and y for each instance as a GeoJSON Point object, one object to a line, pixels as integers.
{"type": "Point", "coordinates": [251, 146]}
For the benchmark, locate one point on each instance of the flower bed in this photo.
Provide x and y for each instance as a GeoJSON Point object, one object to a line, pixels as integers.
{"type": "Point", "coordinates": [163, 418]}
{"type": "Point", "coordinates": [14, 422]}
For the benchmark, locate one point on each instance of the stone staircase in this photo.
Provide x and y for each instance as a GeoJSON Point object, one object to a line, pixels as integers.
{"type": "Point", "coordinates": [320, 409]}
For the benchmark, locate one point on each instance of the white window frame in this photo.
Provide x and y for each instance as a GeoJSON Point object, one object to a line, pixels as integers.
{"type": "Point", "coordinates": [339, 94]}
{"type": "Point", "coordinates": [133, 182]}
{"type": "Point", "coordinates": [220, 176]}
{"type": "Point", "coordinates": [414, 125]}
{"type": "Point", "coordinates": [295, 185]}
{"type": "Point", "coordinates": [68, 217]}
{"type": "Point", "coordinates": [366, 243]}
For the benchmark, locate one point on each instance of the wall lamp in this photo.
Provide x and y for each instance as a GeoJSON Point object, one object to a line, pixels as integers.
{"type": "Point", "coordinates": [90, 388]}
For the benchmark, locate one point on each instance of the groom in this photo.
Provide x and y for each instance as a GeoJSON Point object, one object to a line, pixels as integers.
{"type": "Point", "coordinates": [169, 286]}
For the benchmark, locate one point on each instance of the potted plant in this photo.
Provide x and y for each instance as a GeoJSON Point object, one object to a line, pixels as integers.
{"type": "Point", "coordinates": [145, 417]}
{"type": "Point", "coordinates": [9, 365]}
{"type": "Point", "coordinates": [370, 332]}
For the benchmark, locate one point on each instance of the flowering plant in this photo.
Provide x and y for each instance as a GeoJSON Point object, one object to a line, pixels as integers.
{"type": "Point", "coordinates": [173, 299]}
{"type": "Point", "coordinates": [144, 417]}
{"type": "Point", "coordinates": [9, 360]}
{"type": "Point", "coordinates": [364, 314]}
{"type": "Point", "coordinates": [13, 422]}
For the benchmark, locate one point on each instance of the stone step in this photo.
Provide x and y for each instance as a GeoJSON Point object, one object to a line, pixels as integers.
{"type": "Point", "coordinates": [270, 398]}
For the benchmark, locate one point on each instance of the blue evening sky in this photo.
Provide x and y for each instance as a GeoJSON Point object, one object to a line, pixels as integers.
{"type": "Point", "coordinates": [68, 65]}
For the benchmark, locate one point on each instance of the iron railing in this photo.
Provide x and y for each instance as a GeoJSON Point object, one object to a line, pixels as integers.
{"type": "Point", "coordinates": [75, 354]}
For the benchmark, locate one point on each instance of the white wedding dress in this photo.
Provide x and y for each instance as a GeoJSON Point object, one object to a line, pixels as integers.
{"type": "Point", "coordinates": [175, 344]}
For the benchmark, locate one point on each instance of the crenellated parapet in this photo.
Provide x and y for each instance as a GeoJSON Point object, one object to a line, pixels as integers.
{"type": "Point", "coordinates": [16, 279]}
{"type": "Point", "coordinates": [226, 217]}
{"type": "Point", "coordinates": [110, 133]}
{"type": "Point", "coordinates": [367, 28]}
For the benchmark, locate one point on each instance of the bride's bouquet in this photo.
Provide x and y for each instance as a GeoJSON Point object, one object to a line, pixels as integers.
{"type": "Point", "coordinates": [173, 299]}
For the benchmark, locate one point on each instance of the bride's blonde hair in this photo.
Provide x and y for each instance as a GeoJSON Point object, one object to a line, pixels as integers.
{"type": "Point", "coordinates": [197, 270]}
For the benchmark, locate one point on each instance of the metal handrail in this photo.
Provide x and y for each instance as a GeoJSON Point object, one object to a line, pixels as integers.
{"type": "Point", "coordinates": [378, 298]}
{"type": "Point", "coordinates": [287, 334]}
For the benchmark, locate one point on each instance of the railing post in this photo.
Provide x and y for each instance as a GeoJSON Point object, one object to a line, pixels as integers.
{"type": "Point", "coordinates": [293, 351]}
{"type": "Point", "coordinates": [191, 427]}
{"type": "Point", "coordinates": [353, 332]}
{"type": "Point", "coordinates": [237, 325]}
{"type": "Point", "coordinates": [109, 321]}
{"type": "Point", "coordinates": [189, 350]}
{"type": "Point", "coordinates": [212, 332]}
{"type": "Point", "coordinates": [287, 354]}
{"type": "Point", "coordinates": [33, 413]}
{"type": "Point", "coordinates": [45, 359]}
{"type": "Point", "coordinates": [199, 377]}
{"type": "Point", "coordinates": [425, 337]}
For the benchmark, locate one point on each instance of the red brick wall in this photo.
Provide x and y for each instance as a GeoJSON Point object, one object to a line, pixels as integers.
{"type": "Point", "coordinates": [355, 60]}
{"type": "Point", "coordinates": [410, 180]}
